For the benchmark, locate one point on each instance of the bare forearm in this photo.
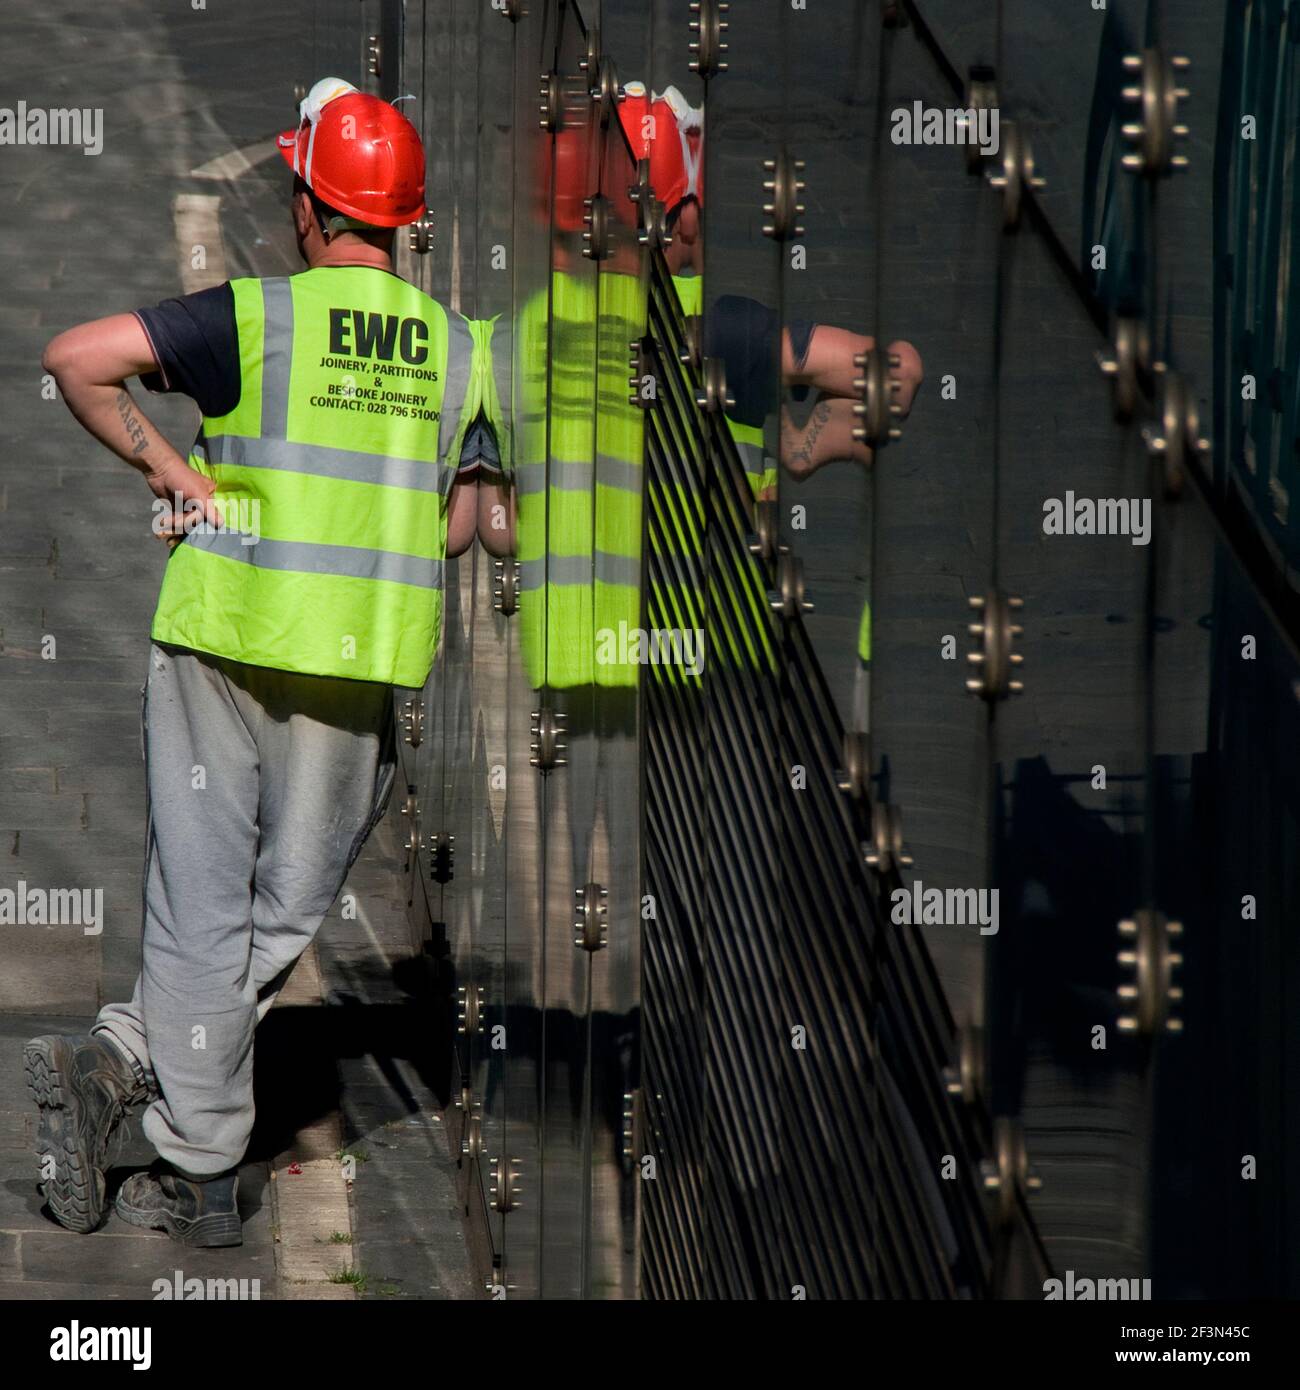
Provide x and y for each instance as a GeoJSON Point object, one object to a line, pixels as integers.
{"type": "Point", "coordinates": [92, 364]}
{"type": "Point", "coordinates": [111, 414]}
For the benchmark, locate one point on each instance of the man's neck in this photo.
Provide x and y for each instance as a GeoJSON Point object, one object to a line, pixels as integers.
{"type": "Point", "coordinates": [351, 250]}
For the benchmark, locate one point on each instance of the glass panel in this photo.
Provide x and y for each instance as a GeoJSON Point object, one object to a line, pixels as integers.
{"type": "Point", "coordinates": [1074, 544]}
{"type": "Point", "coordinates": [557, 557]}
{"type": "Point", "coordinates": [1226, 871]}
{"type": "Point", "coordinates": [612, 817]}
{"type": "Point", "coordinates": [520, 357]}
{"type": "Point", "coordinates": [746, 1102]}
{"type": "Point", "coordinates": [937, 240]}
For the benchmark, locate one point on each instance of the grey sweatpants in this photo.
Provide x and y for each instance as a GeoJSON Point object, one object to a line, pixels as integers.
{"type": "Point", "coordinates": [263, 786]}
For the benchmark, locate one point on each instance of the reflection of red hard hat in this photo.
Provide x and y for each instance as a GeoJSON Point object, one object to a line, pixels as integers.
{"type": "Point", "coordinates": [574, 179]}
{"type": "Point", "coordinates": [664, 128]}
{"type": "Point", "coordinates": [358, 154]}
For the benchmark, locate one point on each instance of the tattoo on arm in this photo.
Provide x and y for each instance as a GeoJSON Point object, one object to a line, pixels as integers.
{"type": "Point", "coordinates": [134, 427]}
{"type": "Point", "coordinates": [820, 417]}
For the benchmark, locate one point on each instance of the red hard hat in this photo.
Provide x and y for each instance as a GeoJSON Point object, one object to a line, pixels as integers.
{"type": "Point", "coordinates": [664, 128]}
{"type": "Point", "coordinates": [358, 154]}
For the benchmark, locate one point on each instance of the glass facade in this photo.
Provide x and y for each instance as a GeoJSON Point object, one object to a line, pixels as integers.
{"type": "Point", "coordinates": [929, 935]}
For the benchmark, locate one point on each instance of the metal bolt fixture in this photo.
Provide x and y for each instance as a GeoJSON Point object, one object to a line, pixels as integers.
{"type": "Point", "coordinates": [299, 95]}
{"type": "Point", "coordinates": [981, 95]}
{"type": "Point", "coordinates": [606, 91]}
{"type": "Point", "coordinates": [708, 45]}
{"type": "Point", "coordinates": [551, 101]}
{"type": "Point", "coordinates": [471, 1146]}
{"type": "Point", "coordinates": [1151, 992]}
{"type": "Point", "coordinates": [1008, 1172]}
{"type": "Point", "coordinates": [411, 810]}
{"type": "Point", "coordinates": [638, 366]}
{"type": "Point", "coordinates": [442, 857]}
{"type": "Point", "coordinates": [504, 1185]}
{"type": "Point", "coordinates": [421, 235]}
{"type": "Point", "coordinates": [886, 850]}
{"type": "Point", "coordinates": [547, 726]}
{"type": "Point", "coordinates": [1156, 92]}
{"type": "Point", "coordinates": [712, 395]}
{"type": "Point", "coordinates": [878, 410]}
{"type": "Point", "coordinates": [374, 56]}
{"type": "Point", "coordinates": [505, 593]}
{"type": "Point", "coordinates": [469, 1001]}
{"type": "Point", "coordinates": [413, 721]}
{"type": "Point", "coordinates": [785, 187]}
{"type": "Point", "coordinates": [1176, 437]}
{"type": "Point", "coordinates": [1129, 361]}
{"type": "Point", "coordinates": [767, 531]}
{"type": "Point", "coordinates": [787, 598]}
{"type": "Point", "coordinates": [631, 1126]}
{"type": "Point", "coordinates": [590, 60]}
{"type": "Point", "coordinates": [1016, 174]}
{"type": "Point", "coordinates": [854, 778]}
{"type": "Point", "coordinates": [964, 1079]}
{"type": "Point", "coordinates": [591, 917]}
{"type": "Point", "coordinates": [652, 220]}
{"type": "Point", "coordinates": [993, 658]}
{"type": "Point", "coordinates": [692, 353]}
{"type": "Point", "coordinates": [597, 221]}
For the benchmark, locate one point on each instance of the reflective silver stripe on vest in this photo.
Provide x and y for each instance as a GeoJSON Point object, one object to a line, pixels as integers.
{"type": "Point", "coordinates": [607, 471]}
{"type": "Point", "coordinates": [308, 558]}
{"type": "Point", "coordinates": [581, 569]}
{"type": "Point", "coordinates": [323, 462]}
{"type": "Point", "coordinates": [455, 381]}
{"type": "Point", "coordinates": [277, 355]}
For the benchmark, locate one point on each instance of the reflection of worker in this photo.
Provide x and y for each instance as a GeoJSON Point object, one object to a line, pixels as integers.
{"type": "Point", "coordinates": [568, 487]}
{"type": "Point", "coordinates": [334, 406]}
{"type": "Point", "coordinates": [665, 129]}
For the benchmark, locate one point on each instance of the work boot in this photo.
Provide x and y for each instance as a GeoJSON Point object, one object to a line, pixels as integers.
{"type": "Point", "coordinates": [194, 1211]}
{"type": "Point", "coordinates": [83, 1086]}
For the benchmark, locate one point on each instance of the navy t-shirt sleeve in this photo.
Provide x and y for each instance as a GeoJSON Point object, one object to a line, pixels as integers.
{"type": "Point", "coordinates": [196, 345]}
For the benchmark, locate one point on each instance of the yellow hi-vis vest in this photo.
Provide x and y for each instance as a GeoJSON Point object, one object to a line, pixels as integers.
{"type": "Point", "coordinates": [578, 528]}
{"type": "Point", "coordinates": [333, 474]}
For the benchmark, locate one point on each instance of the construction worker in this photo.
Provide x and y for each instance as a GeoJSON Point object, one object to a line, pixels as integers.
{"type": "Point", "coordinates": [668, 131]}
{"type": "Point", "coordinates": [310, 526]}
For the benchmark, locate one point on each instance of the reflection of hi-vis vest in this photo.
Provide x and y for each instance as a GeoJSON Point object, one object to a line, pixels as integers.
{"type": "Point", "coordinates": [332, 474]}
{"type": "Point", "coordinates": [728, 606]}
{"type": "Point", "coordinates": [748, 439]}
{"type": "Point", "coordinates": [578, 521]}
